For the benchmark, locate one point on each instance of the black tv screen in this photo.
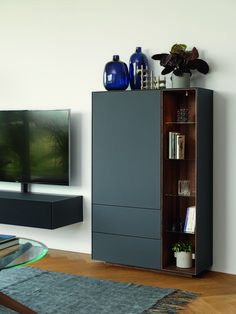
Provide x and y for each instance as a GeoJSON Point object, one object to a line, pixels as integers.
{"type": "Point", "coordinates": [35, 146]}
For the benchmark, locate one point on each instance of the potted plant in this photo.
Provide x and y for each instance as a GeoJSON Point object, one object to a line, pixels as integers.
{"type": "Point", "coordinates": [183, 254]}
{"type": "Point", "coordinates": [181, 62]}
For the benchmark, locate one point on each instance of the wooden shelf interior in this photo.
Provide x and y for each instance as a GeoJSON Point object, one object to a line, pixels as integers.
{"type": "Point", "coordinates": [184, 271]}
{"type": "Point", "coordinates": [175, 206]}
{"type": "Point", "coordinates": [179, 99]}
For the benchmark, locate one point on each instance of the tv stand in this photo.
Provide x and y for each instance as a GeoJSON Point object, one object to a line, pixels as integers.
{"type": "Point", "coordinates": [40, 210]}
{"type": "Point", "coordinates": [25, 188]}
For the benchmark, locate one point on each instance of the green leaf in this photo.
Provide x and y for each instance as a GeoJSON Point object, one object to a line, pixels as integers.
{"type": "Point", "coordinates": [175, 48]}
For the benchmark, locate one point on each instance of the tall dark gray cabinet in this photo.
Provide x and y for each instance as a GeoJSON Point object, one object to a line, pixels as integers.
{"type": "Point", "coordinates": [132, 210]}
{"type": "Point", "coordinates": [126, 178]}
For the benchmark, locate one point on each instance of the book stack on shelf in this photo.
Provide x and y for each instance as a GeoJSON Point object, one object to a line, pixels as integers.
{"type": "Point", "coordinates": [190, 220]}
{"type": "Point", "coordinates": [176, 145]}
{"type": "Point", "coordinates": [7, 241]}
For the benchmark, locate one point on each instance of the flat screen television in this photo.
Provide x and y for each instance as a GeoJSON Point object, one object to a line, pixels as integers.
{"type": "Point", "coordinates": [35, 146]}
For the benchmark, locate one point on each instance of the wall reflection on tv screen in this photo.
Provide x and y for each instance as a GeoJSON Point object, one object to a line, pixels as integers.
{"type": "Point", "coordinates": [34, 146]}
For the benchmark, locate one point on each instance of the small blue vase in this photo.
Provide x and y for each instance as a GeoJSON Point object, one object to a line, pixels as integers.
{"type": "Point", "coordinates": [116, 75]}
{"type": "Point", "coordinates": [136, 61]}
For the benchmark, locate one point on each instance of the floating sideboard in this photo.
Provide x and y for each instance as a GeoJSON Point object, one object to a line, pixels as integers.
{"type": "Point", "coordinates": [40, 210]}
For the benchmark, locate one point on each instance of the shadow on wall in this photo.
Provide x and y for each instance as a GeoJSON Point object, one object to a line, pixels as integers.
{"type": "Point", "coordinates": [76, 149]}
{"type": "Point", "coordinates": [220, 188]}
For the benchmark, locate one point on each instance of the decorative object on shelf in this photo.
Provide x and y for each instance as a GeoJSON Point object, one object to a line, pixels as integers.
{"type": "Point", "coordinates": [182, 81]}
{"type": "Point", "coordinates": [180, 144]}
{"type": "Point", "coordinates": [183, 254]}
{"type": "Point", "coordinates": [183, 115]}
{"type": "Point", "coordinates": [178, 226]}
{"type": "Point", "coordinates": [174, 227]}
{"type": "Point", "coordinates": [162, 81]}
{"type": "Point", "coordinates": [146, 80]}
{"type": "Point", "coordinates": [181, 226]}
{"type": "Point", "coordinates": [181, 187]}
{"type": "Point", "coordinates": [181, 62]}
{"type": "Point", "coordinates": [190, 220]}
{"type": "Point", "coordinates": [184, 187]}
{"type": "Point", "coordinates": [137, 60]}
{"type": "Point", "coordinates": [187, 187]}
{"type": "Point", "coordinates": [149, 81]}
{"type": "Point", "coordinates": [116, 75]}
{"type": "Point", "coordinates": [176, 145]}
{"type": "Point", "coordinates": [172, 141]}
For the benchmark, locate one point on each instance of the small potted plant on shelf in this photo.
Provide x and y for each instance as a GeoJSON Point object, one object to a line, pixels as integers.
{"type": "Point", "coordinates": [183, 254]}
{"type": "Point", "coordinates": [181, 62]}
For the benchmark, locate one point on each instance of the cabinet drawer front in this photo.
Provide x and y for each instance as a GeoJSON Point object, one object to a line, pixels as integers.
{"type": "Point", "coordinates": [127, 250]}
{"type": "Point", "coordinates": [26, 213]}
{"type": "Point", "coordinates": [138, 222]}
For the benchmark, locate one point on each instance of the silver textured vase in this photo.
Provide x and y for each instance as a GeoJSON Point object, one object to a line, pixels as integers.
{"type": "Point", "coordinates": [181, 81]}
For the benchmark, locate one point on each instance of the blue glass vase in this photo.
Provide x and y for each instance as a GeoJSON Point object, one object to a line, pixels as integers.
{"type": "Point", "coordinates": [116, 75]}
{"type": "Point", "coordinates": [136, 61]}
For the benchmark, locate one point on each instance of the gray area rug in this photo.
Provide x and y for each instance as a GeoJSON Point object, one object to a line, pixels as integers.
{"type": "Point", "coordinates": [57, 293]}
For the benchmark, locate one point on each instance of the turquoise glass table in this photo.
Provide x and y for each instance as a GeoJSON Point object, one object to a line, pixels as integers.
{"type": "Point", "coordinates": [23, 253]}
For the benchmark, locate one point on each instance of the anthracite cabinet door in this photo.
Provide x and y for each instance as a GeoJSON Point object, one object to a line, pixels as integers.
{"type": "Point", "coordinates": [126, 148]}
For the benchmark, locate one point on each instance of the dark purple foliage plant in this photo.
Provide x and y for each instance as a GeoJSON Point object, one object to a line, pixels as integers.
{"type": "Point", "coordinates": [180, 61]}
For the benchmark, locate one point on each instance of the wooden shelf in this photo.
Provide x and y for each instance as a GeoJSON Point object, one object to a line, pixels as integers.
{"type": "Point", "coordinates": [176, 195]}
{"type": "Point", "coordinates": [180, 232]}
{"type": "Point", "coordinates": [196, 168]}
{"type": "Point", "coordinates": [186, 159]}
{"type": "Point", "coordinates": [187, 123]}
{"type": "Point", "coordinates": [183, 271]}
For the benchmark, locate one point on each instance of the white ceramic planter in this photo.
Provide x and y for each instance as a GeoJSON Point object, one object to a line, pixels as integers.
{"type": "Point", "coordinates": [181, 81]}
{"type": "Point", "coordinates": [183, 259]}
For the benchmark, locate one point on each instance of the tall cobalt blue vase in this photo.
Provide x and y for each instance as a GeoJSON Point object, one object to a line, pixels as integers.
{"type": "Point", "coordinates": [136, 61]}
{"type": "Point", "coordinates": [116, 75]}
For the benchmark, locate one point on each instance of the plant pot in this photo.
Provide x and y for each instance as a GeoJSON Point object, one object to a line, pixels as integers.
{"type": "Point", "coordinates": [181, 81]}
{"type": "Point", "coordinates": [183, 259]}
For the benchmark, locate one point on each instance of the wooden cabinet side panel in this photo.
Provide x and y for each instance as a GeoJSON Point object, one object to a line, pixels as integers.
{"type": "Point", "coordinates": [204, 231]}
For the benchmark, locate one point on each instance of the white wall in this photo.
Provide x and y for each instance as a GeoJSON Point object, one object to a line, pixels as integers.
{"type": "Point", "coordinates": [53, 54]}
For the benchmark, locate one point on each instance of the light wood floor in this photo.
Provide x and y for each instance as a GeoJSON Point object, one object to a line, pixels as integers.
{"type": "Point", "coordinates": [218, 290]}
